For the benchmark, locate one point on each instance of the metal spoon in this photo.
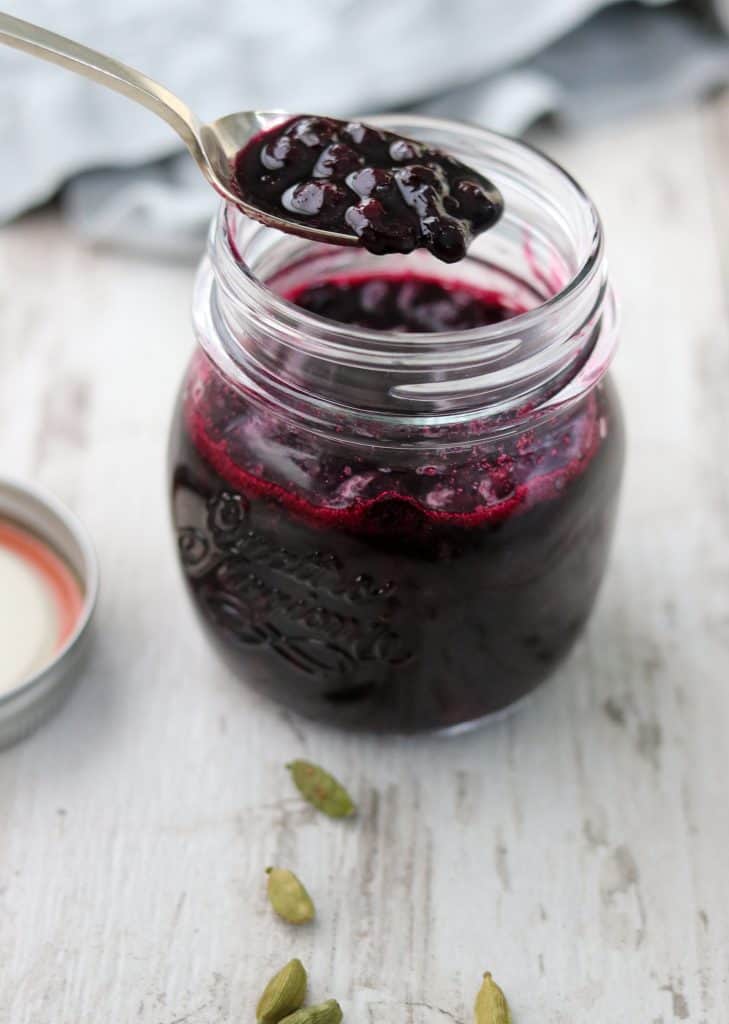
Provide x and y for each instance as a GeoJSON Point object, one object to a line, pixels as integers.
{"type": "Point", "coordinates": [213, 146]}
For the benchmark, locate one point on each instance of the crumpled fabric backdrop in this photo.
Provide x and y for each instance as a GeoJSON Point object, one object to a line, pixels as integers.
{"type": "Point", "coordinates": [122, 177]}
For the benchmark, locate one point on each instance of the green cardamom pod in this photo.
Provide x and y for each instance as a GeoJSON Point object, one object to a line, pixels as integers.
{"type": "Point", "coordinates": [288, 896]}
{"type": "Point", "coordinates": [284, 993]}
{"type": "Point", "coordinates": [329, 1012]}
{"type": "Point", "coordinates": [321, 789]}
{"type": "Point", "coordinates": [491, 1006]}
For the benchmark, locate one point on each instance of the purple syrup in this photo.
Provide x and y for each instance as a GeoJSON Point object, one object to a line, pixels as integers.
{"type": "Point", "coordinates": [393, 193]}
{"type": "Point", "coordinates": [381, 596]}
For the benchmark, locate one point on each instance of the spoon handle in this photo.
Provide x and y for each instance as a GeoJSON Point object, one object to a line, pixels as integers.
{"type": "Point", "coordinates": [106, 71]}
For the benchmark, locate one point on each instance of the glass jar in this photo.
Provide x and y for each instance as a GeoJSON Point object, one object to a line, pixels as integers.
{"type": "Point", "coordinates": [402, 531]}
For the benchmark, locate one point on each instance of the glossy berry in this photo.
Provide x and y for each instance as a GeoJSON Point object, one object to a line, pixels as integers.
{"type": "Point", "coordinates": [324, 199]}
{"type": "Point", "coordinates": [336, 160]}
{"type": "Point", "coordinates": [379, 232]}
{"type": "Point", "coordinates": [476, 203]}
{"type": "Point", "coordinates": [372, 181]}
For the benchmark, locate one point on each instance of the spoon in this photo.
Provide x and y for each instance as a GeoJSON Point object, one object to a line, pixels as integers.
{"type": "Point", "coordinates": [213, 146]}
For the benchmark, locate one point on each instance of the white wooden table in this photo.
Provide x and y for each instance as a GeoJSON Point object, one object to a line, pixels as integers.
{"type": "Point", "coordinates": [579, 850]}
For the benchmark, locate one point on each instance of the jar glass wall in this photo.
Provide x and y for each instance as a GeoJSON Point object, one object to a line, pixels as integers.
{"type": "Point", "coordinates": [402, 531]}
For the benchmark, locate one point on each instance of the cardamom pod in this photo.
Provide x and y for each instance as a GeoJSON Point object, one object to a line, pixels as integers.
{"type": "Point", "coordinates": [321, 789]}
{"type": "Point", "coordinates": [329, 1012]}
{"type": "Point", "coordinates": [284, 993]}
{"type": "Point", "coordinates": [288, 896]}
{"type": "Point", "coordinates": [491, 1006]}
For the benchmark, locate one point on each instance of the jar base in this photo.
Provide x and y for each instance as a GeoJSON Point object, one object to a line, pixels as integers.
{"type": "Point", "coordinates": [491, 718]}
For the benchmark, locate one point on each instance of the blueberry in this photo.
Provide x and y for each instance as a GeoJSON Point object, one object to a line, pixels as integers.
{"type": "Point", "coordinates": [363, 135]}
{"type": "Point", "coordinates": [320, 298]}
{"type": "Point", "coordinates": [336, 201]}
{"type": "Point", "coordinates": [438, 172]}
{"type": "Point", "coordinates": [277, 153]}
{"type": "Point", "coordinates": [475, 203]}
{"type": "Point", "coordinates": [313, 131]}
{"type": "Point", "coordinates": [445, 238]}
{"type": "Point", "coordinates": [405, 149]}
{"type": "Point", "coordinates": [415, 176]}
{"type": "Point", "coordinates": [409, 297]}
{"type": "Point", "coordinates": [379, 232]}
{"type": "Point", "coordinates": [336, 161]}
{"type": "Point", "coordinates": [364, 215]}
{"type": "Point", "coordinates": [371, 181]}
{"type": "Point", "coordinates": [310, 198]}
{"type": "Point", "coordinates": [306, 198]}
{"type": "Point", "coordinates": [374, 297]}
{"type": "Point", "coordinates": [425, 200]}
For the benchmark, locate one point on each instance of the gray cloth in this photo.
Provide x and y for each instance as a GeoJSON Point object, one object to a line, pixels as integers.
{"type": "Point", "coordinates": [501, 64]}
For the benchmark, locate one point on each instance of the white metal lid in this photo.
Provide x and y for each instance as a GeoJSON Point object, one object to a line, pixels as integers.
{"type": "Point", "coordinates": [50, 588]}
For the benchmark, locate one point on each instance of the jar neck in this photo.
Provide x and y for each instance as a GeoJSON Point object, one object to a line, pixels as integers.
{"type": "Point", "coordinates": [544, 259]}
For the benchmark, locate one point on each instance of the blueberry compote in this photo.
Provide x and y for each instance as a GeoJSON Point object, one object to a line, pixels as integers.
{"type": "Point", "coordinates": [394, 194]}
{"type": "Point", "coordinates": [386, 591]}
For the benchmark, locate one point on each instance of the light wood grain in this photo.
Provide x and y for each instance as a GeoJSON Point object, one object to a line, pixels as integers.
{"type": "Point", "coordinates": [578, 849]}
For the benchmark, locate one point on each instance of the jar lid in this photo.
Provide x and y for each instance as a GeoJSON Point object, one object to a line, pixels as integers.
{"type": "Point", "coordinates": [49, 580]}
